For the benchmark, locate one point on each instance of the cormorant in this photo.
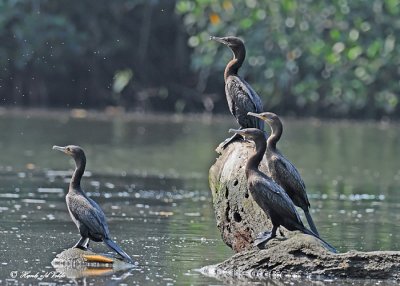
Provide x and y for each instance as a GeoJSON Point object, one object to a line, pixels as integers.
{"type": "Point", "coordinates": [272, 199]}
{"type": "Point", "coordinates": [240, 95]}
{"type": "Point", "coordinates": [85, 212]}
{"type": "Point", "coordinates": [282, 171]}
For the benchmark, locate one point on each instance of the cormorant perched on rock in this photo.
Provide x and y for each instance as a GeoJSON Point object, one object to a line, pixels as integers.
{"type": "Point", "coordinates": [239, 94]}
{"type": "Point", "coordinates": [85, 212]}
{"type": "Point", "coordinates": [272, 199]}
{"type": "Point", "coordinates": [282, 171]}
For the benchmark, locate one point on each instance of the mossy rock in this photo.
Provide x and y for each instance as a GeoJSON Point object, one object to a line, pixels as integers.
{"type": "Point", "coordinates": [301, 255]}
{"type": "Point", "coordinates": [238, 217]}
{"type": "Point", "coordinates": [239, 220]}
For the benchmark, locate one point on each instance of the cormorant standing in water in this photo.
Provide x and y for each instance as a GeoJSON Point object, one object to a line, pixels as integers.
{"type": "Point", "coordinates": [272, 199]}
{"type": "Point", "coordinates": [85, 212]}
{"type": "Point", "coordinates": [282, 171]}
{"type": "Point", "coordinates": [239, 94]}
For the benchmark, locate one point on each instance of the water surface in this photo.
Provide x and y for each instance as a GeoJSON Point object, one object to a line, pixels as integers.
{"type": "Point", "coordinates": [150, 176]}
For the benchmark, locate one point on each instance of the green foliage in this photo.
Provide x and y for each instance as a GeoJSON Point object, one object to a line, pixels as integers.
{"type": "Point", "coordinates": [324, 58]}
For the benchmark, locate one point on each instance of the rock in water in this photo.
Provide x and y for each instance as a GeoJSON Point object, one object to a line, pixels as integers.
{"type": "Point", "coordinates": [240, 220]}
{"type": "Point", "coordinates": [75, 263]}
{"type": "Point", "coordinates": [303, 255]}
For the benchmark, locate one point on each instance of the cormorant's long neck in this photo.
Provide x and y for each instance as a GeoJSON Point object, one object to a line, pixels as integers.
{"type": "Point", "coordinates": [275, 135]}
{"type": "Point", "coordinates": [255, 159]}
{"type": "Point", "coordinates": [233, 66]}
{"type": "Point", "coordinates": [78, 173]}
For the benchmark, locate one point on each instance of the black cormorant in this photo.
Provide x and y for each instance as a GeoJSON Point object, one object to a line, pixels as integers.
{"type": "Point", "coordinates": [239, 94]}
{"type": "Point", "coordinates": [282, 171]}
{"type": "Point", "coordinates": [272, 199]}
{"type": "Point", "coordinates": [85, 212]}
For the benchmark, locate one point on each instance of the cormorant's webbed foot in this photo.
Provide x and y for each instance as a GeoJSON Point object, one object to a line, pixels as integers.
{"type": "Point", "coordinates": [264, 237]}
{"type": "Point", "coordinates": [80, 247]}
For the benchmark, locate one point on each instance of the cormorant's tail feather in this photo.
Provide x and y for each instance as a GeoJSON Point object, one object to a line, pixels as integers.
{"type": "Point", "coordinates": [330, 247]}
{"type": "Point", "coordinates": [311, 222]}
{"type": "Point", "coordinates": [111, 244]}
{"type": "Point", "coordinates": [230, 140]}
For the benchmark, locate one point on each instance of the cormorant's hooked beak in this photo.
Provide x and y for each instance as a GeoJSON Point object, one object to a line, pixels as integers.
{"type": "Point", "coordinates": [237, 131]}
{"type": "Point", "coordinates": [219, 40]}
{"type": "Point", "coordinates": [266, 116]}
{"type": "Point", "coordinates": [62, 149]}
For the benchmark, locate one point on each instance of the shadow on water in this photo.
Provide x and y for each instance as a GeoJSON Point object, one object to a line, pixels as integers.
{"type": "Point", "coordinates": [150, 178]}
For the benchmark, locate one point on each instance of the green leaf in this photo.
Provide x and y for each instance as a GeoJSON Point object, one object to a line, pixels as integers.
{"type": "Point", "coordinates": [354, 53]}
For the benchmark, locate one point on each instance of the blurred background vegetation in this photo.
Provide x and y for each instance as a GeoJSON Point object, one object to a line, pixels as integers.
{"type": "Point", "coordinates": [336, 58]}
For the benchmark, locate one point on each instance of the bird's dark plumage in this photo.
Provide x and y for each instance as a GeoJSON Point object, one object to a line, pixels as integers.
{"type": "Point", "coordinates": [269, 195]}
{"type": "Point", "coordinates": [85, 212]}
{"type": "Point", "coordinates": [282, 171]}
{"type": "Point", "coordinates": [240, 96]}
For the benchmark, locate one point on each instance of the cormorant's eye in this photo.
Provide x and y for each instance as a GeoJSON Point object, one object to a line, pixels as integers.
{"type": "Point", "coordinates": [68, 149]}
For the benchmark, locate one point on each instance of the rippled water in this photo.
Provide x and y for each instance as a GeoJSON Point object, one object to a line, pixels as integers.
{"type": "Point", "coordinates": [166, 227]}
{"type": "Point", "coordinates": [150, 177]}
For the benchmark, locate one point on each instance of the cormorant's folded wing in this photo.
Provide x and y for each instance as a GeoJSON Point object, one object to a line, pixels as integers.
{"type": "Point", "coordinates": [276, 199]}
{"type": "Point", "coordinates": [242, 99]}
{"type": "Point", "coordinates": [89, 213]}
{"type": "Point", "coordinates": [290, 176]}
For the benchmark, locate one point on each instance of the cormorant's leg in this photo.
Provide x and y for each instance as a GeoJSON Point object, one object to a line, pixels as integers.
{"type": "Point", "coordinates": [281, 232]}
{"type": "Point", "coordinates": [81, 244]}
{"type": "Point", "coordinates": [261, 242]}
{"type": "Point", "coordinates": [86, 244]}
